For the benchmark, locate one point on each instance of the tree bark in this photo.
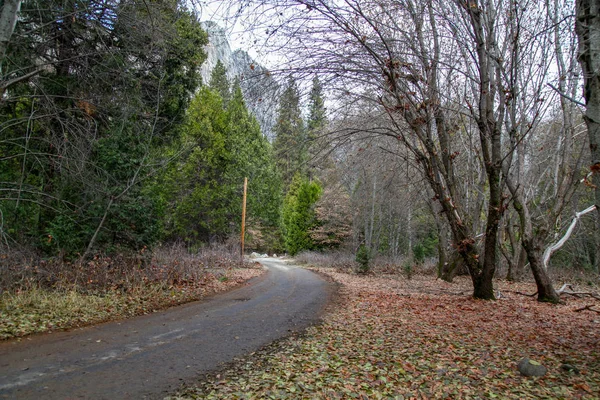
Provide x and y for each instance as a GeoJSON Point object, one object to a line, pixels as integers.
{"type": "Point", "coordinates": [532, 243]}
{"type": "Point", "coordinates": [546, 292]}
{"type": "Point", "coordinates": [587, 27]}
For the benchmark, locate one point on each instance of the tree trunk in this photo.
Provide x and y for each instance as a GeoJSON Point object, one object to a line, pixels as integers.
{"type": "Point", "coordinates": [532, 243]}
{"type": "Point", "coordinates": [450, 269]}
{"type": "Point", "coordinates": [587, 26]}
{"type": "Point", "coordinates": [596, 253]}
{"type": "Point", "coordinates": [520, 267]}
{"type": "Point", "coordinates": [483, 286]}
{"type": "Point", "coordinates": [546, 292]}
{"type": "Point", "coordinates": [442, 249]}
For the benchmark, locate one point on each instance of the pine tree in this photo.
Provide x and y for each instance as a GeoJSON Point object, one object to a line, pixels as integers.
{"type": "Point", "coordinates": [193, 188]}
{"type": "Point", "coordinates": [316, 117]}
{"type": "Point", "coordinates": [290, 137]}
{"type": "Point", "coordinates": [203, 191]}
{"type": "Point", "coordinates": [220, 83]}
{"type": "Point", "coordinates": [253, 158]}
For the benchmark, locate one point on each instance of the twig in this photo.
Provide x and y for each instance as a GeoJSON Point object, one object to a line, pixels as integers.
{"type": "Point", "coordinates": [588, 307]}
{"type": "Point", "coordinates": [521, 293]}
{"type": "Point", "coordinates": [582, 294]}
{"type": "Point", "coordinates": [566, 96]}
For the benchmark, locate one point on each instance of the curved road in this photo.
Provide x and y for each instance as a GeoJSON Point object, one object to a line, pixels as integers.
{"type": "Point", "coordinates": [150, 356]}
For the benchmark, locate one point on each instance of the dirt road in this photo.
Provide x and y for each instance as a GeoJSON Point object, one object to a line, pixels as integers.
{"type": "Point", "coordinates": [150, 356]}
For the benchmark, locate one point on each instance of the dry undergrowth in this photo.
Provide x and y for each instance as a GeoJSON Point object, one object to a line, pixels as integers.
{"type": "Point", "coordinates": [424, 339]}
{"type": "Point", "coordinates": [104, 289]}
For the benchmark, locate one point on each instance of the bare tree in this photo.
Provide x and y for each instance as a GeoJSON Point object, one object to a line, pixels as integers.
{"type": "Point", "coordinates": [587, 27]}
{"type": "Point", "coordinates": [464, 88]}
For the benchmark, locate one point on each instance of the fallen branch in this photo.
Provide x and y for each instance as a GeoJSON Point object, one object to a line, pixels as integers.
{"type": "Point", "coordinates": [583, 294]}
{"type": "Point", "coordinates": [588, 307]}
{"type": "Point", "coordinates": [564, 287]}
{"type": "Point", "coordinates": [521, 293]}
{"type": "Point", "coordinates": [572, 292]}
{"type": "Point", "coordinates": [548, 252]}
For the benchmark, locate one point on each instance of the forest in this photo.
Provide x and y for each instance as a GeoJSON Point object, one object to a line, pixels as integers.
{"type": "Point", "coordinates": [443, 138]}
{"type": "Point", "coordinates": [441, 134]}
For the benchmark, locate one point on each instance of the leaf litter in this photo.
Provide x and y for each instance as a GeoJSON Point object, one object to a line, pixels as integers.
{"type": "Point", "coordinates": [391, 338]}
{"type": "Point", "coordinates": [41, 310]}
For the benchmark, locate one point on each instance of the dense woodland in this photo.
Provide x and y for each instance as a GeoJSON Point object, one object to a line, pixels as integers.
{"type": "Point", "coordinates": [461, 129]}
{"type": "Point", "coordinates": [453, 133]}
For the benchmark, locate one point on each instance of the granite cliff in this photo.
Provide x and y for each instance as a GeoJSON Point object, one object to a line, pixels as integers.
{"type": "Point", "coordinates": [259, 88]}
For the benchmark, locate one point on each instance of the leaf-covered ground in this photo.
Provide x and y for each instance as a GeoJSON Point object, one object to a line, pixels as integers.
{"type": "Point", "coordinates": [423, 339]}
{"type": "Point", "coordinates": [42, 310]}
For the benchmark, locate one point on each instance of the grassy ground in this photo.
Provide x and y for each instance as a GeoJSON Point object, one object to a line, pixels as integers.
{"type": "Point", "coordinates": [423, 339]}
{"type": "Point", "coordinates": [112, 289]}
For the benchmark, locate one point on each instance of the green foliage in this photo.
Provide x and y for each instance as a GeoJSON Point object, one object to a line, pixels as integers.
{"type": "Point", "coordinates": [290, 135]}
{"type": "Point", "coordinates": [407, 268]}
{"type": "Point", "coordinates": [298, 215]}
{"type": "Point", "coordinates": [203, 190]}
{"type": "Point", "coordinates": [419, 253]}
{"type": "Point", "coordinates": [81, 140]}
{"type": "Point", "coordinates": [426, 246]}
{"type": "Point", "coordinates": [363, 257]}
{"type": "Point", "coordinates": [255, 160]}
{"type": "Point", "coordinates": [316, 117]}
{"type": "Point", "coordinates": [219, 82]}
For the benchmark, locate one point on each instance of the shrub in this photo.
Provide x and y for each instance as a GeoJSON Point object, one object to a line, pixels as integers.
{"type": "Point", "coordinates": [362, 258]}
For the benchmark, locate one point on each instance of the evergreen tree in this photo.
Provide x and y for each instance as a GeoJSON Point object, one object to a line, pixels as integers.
{"type": "Point", "coordinates": [203, 191]}
{"type": "Point", "coordinates": [290, 137]}
{"type": "Point", "coordinates": [193, 187]}
{"type": "Point", "coordinates": [220, 83]}
{"type": "Point", "coordinates": [253, 159]}
{"type": "Point", "coordinates": [316, 122]}
{"type": "Point", "coordinates": [298, 214]}
{"type": "Point", "coordinates": [121, 77]}
{"type": "Point", "coordinates": [316, 117]}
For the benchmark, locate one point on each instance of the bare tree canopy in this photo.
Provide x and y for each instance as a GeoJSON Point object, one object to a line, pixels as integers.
{"type": "Point", "coordinates": [468, 88]}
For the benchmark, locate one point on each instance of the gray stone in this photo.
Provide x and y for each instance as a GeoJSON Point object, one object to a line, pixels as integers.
{"type": "Point", "coordinates": [529, 367]}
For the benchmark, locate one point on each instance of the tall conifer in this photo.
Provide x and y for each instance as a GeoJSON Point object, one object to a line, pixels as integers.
{"type": "Point", "coordinates": [220, 83]}
{"type": "Point", "coordinates": [290, 136]}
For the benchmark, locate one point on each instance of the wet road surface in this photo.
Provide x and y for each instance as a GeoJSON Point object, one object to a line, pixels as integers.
{"type": "Point", "coordinates": [152, 355]}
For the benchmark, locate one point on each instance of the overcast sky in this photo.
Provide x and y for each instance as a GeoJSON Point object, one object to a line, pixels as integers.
{"type": "Point", "coordinates": [239, 38]}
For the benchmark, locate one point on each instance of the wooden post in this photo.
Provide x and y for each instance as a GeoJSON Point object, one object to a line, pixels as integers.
{"type": "Point", "coordinates": [244, 217]}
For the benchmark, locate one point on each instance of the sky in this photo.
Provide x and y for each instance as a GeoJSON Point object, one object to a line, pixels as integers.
{"type": "Point", "coordinates": [239, 38]}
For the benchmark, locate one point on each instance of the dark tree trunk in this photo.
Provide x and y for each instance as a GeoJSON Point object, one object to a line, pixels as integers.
{"type": "Point", "coordinates": [442, 254]}
{"type": "Point", "coordinates": [510, 274]}
{"type": "Point", "coordinates": [520, 267]}
{"type": "Point", "coordinates": [451, 268]}
{"type": "Point", "coordinates": [587, 27]}
{"type": "Point", "coordinates": [481, 275]}
{"type": "Point", "coordinates": [546, 292]}
{"type": "Point", "coordinates": [483, 287]}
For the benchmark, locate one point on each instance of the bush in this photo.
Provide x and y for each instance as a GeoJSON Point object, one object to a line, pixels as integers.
{"type": "Point", "coordinates": [362, 258]}
{"type": "Point", "coordinates": [407, 267]}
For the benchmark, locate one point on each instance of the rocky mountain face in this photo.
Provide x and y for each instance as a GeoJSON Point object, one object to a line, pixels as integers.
{"type": "Point", "coordinates": [259, 88]}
